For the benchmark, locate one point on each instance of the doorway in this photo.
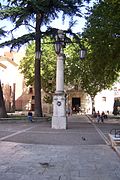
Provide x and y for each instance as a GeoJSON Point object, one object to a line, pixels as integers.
{"type": "Point", "coordinates": [76, 103]}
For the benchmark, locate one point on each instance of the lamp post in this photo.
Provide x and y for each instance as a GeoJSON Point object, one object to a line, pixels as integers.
{"type": "Point", "coordinates": [59, 119]}
{"type": "Point", "coordinates": [82, 53]}
{"type": "Point", "coordinates": [59, 109]}
{"type": "Point", "coordinates": [116, 35]}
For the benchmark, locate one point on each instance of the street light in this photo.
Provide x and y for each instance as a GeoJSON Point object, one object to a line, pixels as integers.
{"type": "Point", "coordinates": [116, 35]}
{"type": "Point", "coordinates": [59, 41]}
{"type": "Point", "coordinates": [59, 119]}
{"type": "Point", "coordinates": [59, 110]}
{"type": "Point", "coordinates": [82, 53]}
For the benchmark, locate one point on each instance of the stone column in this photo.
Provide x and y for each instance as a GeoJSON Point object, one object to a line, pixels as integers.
{"type": "Point", "coordinates": [60, 74]}
{"type": "Point", "coordinates": [59, 101]}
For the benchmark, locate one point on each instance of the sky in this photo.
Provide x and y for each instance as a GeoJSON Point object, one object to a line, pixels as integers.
{"type": "Point", "coordinates": [78, 27]}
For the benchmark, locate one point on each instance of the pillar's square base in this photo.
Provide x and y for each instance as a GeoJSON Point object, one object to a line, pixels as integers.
{"type": "Point", "coordinates": [59, 122]}
{"type": "Point", "coordinates": [59, 112]}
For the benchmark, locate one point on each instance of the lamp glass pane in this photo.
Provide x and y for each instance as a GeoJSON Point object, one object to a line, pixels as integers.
{"type": "Point", "coordinates": [82, 53]}
{"type": "Point", "coordinates": [57, 47]}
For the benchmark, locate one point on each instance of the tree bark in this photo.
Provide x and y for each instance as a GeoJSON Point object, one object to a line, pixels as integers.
{"type": "Point", "coordinates": [3, 112]}
{"type": "Point", "coordinates": [93, 104]}
{"type": "Point", "coordinates": [38, 104]}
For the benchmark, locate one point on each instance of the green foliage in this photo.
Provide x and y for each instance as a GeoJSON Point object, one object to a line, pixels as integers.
{"type": "Point", "coordinates": [84, 73]}
{"type": "Point", "coordinates": [94, 79]}
{"type": "Point", "coordinates": [72, 64]}
{"type": "Point", "coordinates": [102, 24]}
{"type": "Point", "coordinates": [35, 14]}
{"type": "Point", "coordinates": [27, 64]}
{"type": "Point", "coordinates": [87, 73]}
{"type": "Point", "coordinates": [48, 66]}
{"type": "Point", "coordinates": [48, 60]}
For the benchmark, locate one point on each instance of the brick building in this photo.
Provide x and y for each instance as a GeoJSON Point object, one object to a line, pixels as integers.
{"type": "Point", "coordinates": [16, 94]}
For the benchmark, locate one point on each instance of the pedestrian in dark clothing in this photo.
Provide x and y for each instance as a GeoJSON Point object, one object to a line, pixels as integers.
{"type": "Point", "coordinates": [103, 116]}
{"type": "Point", "coordinates": [30, 116]}
{"type": "Point", "coordinates": [98, 117]}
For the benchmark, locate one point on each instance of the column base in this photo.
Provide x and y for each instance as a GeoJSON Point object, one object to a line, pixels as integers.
{"type": "Point", "coordinates": [59, 119]}
{"type": "Point", "coordinates": [59, 122]}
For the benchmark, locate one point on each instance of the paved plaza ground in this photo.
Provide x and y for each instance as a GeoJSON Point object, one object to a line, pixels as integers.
{"type": "Point", "coordinates": [34, 151]}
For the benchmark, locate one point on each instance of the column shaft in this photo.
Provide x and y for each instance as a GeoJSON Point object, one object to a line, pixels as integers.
{"type": "Point", "coordinates": [60, 74]}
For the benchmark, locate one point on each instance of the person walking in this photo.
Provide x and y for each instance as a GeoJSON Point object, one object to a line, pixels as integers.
{"type": "Point", "coordinates": [69, 111]}
{"type": "Point", "coordinates": [30, 116]}
{"type": "Point", "coordinates": [103, 116]}
{"type": "Point", "coordinates": [98, 116]}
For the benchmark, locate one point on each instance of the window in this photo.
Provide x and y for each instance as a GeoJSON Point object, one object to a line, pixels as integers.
{"type": "Point", "coordinates": [33, 97]}
{"type": "Point", "coordinates": [30, 90]}
{"type": "Point", "coordinates": [104, 99]}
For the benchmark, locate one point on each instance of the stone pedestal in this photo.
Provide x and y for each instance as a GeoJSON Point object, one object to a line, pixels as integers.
{"type": "Point", "coordinates": [59, 120]}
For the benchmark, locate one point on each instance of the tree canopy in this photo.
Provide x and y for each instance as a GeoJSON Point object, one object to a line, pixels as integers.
{"type": "Point", "coordinates": [103, 23]}
{"type": "Point", "coordinates": [102, 34]}
{"type": "Point", "coordinates": [35, 14]}
{"type": "Point", "coordinates": [77, 72]}
{"type": "Point", "coordinates": [23, 13]}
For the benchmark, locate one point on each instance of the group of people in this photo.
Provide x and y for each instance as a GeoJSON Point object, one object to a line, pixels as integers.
{"type": "Point", "coordinates": [101, 117]}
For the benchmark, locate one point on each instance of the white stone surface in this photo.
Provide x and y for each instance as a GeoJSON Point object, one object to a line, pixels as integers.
{"type": "Point", "coordinates": [59, 122]}
{"type": "Point", "coordinates": [59, 112]}
{"type": "Point", "coordinates": [59, 105]}
{"type": "Point", "coordinates": [59, 102]}
{"type": "Point", "coordinates": [60, 74]}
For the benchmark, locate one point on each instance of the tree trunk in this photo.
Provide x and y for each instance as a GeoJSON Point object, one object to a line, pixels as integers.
{"type": "Point", "coordinates": [93, 104]}
{"type": "Point", "coordinates": [38, 104]}
{"type": "Point", "coordinates": [3, 112]}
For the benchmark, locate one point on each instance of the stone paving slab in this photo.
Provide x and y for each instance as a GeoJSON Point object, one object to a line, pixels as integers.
{"type": "Point", "coordinates": [53, 138]}
{"type": "Point", "coordinates": [49, 162]}
{"type": "Point", "coordinates": [80, 131]}
{"type": "Point", "coordinates": [48, 154]}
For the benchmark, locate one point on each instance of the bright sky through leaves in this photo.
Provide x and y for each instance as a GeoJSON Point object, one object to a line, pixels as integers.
{"type": "Point", "coordinates": [56, 24]}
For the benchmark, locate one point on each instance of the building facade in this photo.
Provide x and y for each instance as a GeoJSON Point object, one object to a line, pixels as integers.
{"type": "Point", "coordinates": [16, 94]}
{"type": "Point", "coordinates": [18, 97]}
{"type": "Point", "coordinates": [104, 100]}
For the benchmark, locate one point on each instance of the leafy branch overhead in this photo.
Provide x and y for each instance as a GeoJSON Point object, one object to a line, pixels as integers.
{"type": "Point", "coordinates": [103, 22]}
{"type": "Point", "coordinates": [18, 42]}
{"type": "Point", "coordinates": [36, 14]}
{"type": "Point", "coordinates": [22, 13]}
{"type": "Point", "coordinates": [2, 32]}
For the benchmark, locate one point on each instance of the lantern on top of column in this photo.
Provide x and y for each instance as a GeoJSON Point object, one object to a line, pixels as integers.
{"type": "Point", "coordinates": [59, 41]}
{"type": "Point", "coordinates": [82, 53]}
